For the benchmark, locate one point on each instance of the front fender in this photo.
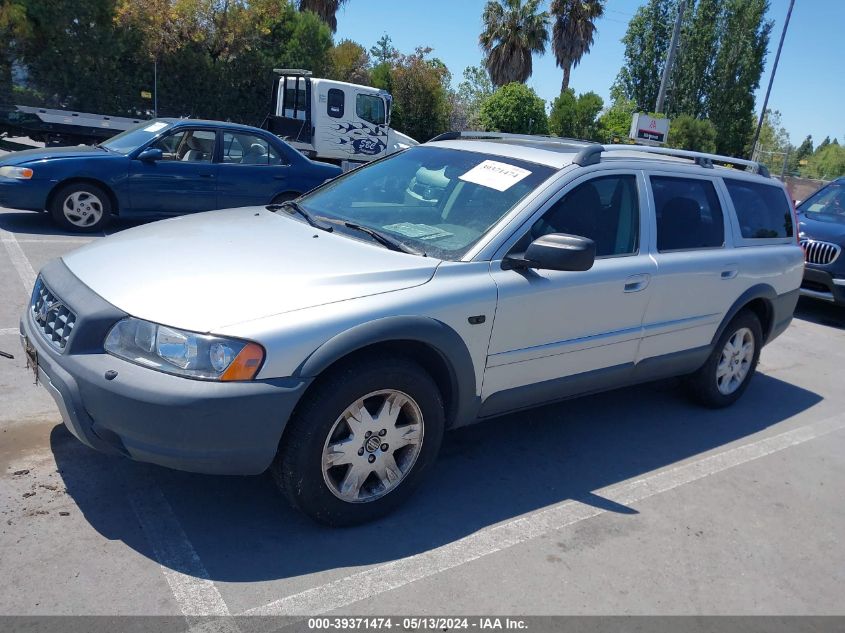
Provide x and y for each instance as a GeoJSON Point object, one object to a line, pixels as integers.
{"type": "Point", "coordinates": [438, 336]}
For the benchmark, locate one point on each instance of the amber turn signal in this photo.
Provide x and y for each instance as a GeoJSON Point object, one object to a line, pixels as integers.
{"type": "Point", "coordinates": [246, 364]}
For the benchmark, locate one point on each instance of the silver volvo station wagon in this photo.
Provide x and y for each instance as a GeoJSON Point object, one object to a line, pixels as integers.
{"type": "Point", "coordinates": [334, 338]}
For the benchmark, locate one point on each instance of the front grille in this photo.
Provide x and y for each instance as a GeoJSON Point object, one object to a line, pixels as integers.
{"type": "Point", "coordinates": [54, 318]}
{"type": "Point", "coordinates": [823, 253]}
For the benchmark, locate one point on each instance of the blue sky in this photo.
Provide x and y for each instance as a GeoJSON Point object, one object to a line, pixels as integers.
{"type": "Point", "coordinates": [809, 89]}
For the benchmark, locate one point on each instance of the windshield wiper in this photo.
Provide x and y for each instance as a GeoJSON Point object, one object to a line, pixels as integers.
{"type": "Point", "coordinates": [297, 208]}
{"type": "Point", "coordinates": [384, 239]}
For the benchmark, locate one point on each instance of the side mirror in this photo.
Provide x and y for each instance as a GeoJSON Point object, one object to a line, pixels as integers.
{"type": "Point", "coordinates": [556, 251]}
{"type": "Point", "coordinates": [150, 155]}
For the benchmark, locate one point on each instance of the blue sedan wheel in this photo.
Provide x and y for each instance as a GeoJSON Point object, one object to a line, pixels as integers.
{"type": "Point", "coordinates": [81, 207]}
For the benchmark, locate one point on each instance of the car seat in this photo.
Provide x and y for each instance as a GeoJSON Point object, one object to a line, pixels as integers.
{"type": "Point", "coordinates": [679, 224]}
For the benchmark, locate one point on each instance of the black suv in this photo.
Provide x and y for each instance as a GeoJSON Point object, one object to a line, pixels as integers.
{"type": "Point", "coordinates": [822, 234]}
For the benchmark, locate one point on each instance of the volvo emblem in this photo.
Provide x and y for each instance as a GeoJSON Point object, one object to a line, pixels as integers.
{"type": "Point", "coordinates": [373, 443]}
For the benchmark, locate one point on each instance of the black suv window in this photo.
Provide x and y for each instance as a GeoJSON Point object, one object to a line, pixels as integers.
{"type": "Point", "coordinates": [604, 209]}
{"type": "Point", "coordinates": [762, 210]}
{"type": "Point", "coordinates": [688, 214]}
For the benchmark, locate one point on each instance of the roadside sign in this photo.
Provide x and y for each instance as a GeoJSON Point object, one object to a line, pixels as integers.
{"type": "Point", "coordinates": [647, 129]}
{"type": "Point", "coordinates": [146, 94]}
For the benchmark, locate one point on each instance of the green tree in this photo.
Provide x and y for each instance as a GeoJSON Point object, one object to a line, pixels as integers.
{"type": "Point", "coordinates": [573, 31]}
{"type": "Point", "coordinates": [514, 108]}
{"type": "Point", "coordinates": [691, 80]}
{"type": "Point", "coordinates": [827, 163]}
{"type": "Point", "coordinates": [513, 31]}
{"type": "Point", "coordinates": [14, 27]}
{"type": "Point", "coordinates": [472, 91]}
{"type": "Point", "coordinates": [383, 50]}
{"type": "Point", "coordinates": [614, 124]}
{"type": "Point", "coordinates": [349, 61]}
{"type": "Point", "coordinates": [744, 36]}
{"type": "Point", "coordinates": [805, 150]}
{"type": "Point", "coordinates": [646, 44]}
{"type": "Point", "coordinates": [421, 106]}
{"type": "Point", "coordinates": [687, 132]}
{"type": "Point", "coordinates": [326, 10]}
{"type": "Point", "coordinates": [823, 144]}
{"type": "Point", "coordinates": [576, 117]}
{"type": "Point", "coordinates": [773, 145]}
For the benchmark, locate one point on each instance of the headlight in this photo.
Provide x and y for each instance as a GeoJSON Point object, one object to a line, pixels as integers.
{"type": "Point", "coordinates": [184, 353]}
{"type": "Point", "coordinates": [19, 173]}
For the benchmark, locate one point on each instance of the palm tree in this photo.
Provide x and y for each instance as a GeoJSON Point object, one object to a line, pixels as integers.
{"type": "Point", "coordinates": [513, 31]}
{"type": "Point", "coordinates": [326, 9]}
{"type": "Point", "coordinates": [572, 34]}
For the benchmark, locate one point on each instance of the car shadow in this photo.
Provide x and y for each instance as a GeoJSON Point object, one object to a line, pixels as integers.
{"type": "Point", "coordinates": [34, 223]}
{"type": "Point", "coordinates": [820, 312]}
{"type": "Point", "coordinates": [487, 473]}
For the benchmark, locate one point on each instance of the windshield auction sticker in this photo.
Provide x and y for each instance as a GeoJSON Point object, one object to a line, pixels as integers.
{"type": "Point", "coordinates": [155, 127]}
{"type": "Point", "coordinates": [496, 175]}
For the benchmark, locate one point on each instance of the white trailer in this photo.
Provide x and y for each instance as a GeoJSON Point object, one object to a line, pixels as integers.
{"type": "Point", "coordinates": [333, 121]}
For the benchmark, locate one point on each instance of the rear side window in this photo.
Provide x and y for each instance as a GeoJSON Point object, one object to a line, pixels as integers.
{"type": "Point", "coordinates": [334, 105]}
{"type": "Point", "coordinates": [762, 210]}
{"type": "Point", "coordinates": [688, 214]}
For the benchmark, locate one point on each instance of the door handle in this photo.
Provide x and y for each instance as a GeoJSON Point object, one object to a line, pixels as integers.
{"type": "Point", "coordinates": [206, 175]}
{"type": "Point", "coordinates": [635, 283]}
{"type": "Point", "coordinates": [729, 273]}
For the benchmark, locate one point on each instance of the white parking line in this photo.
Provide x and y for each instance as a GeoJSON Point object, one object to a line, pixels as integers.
{"type": "Point", "coordinates": [377, 580]}
{"type": "Point", "coordinates": [187, 577]}
{"type": "Point", "coordinates": [9, 331]}
{"type": "Point", "coordinates": [58, 240]}
{"type": "Point", "coordinates": [19, 260]}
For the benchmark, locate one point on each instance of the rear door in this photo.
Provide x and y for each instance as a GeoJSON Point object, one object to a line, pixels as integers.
{"type": "Point", "coordinates": [697, 278]}
{"type": "Point", "coordinates": [558, 333]}
{"type": "Point", "coordinates": [252, 170]}
{"type": "Point", "coordinates": [184, 181]}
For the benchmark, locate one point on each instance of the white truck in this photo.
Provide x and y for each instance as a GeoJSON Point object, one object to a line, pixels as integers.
{"type": "Point", "coordinates": [333, 121]}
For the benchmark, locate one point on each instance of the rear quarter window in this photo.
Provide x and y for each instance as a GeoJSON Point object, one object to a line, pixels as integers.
{"type": "Point", "coordinates": [762, 211]}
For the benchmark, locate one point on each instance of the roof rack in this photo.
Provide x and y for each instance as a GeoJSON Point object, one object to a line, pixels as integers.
{"type": "Point", "coordinates": [592, 155]}
{"type": "Point", "coordinates": [293, 71]}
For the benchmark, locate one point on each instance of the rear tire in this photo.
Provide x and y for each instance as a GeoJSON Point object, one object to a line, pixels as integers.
{"type": "Point", "coordinates": [731, 365]}
{"type": "Point", "coordinates": [361, 441]}
{"type": "Point", "coordinates": [81, 207]}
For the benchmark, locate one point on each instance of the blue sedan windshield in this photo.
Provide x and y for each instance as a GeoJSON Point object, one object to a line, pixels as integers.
{"type": "Point", "coordinates": [134, 137]}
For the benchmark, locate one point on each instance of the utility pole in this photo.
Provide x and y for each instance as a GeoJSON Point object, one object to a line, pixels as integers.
{"type": "Point", "coordinates": [670, 58]}
{"type": "Point", "coordinates": [772, 78]}
{"type": "Point", "coordinates": [155, 87]}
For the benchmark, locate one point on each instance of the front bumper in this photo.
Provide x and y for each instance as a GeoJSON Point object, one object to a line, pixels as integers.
{"type": "Point", "coordinates": [193, 425]}
{"type": "Point", "coordinates": [29, 195]}
{"type": "Point", "coordinates": [821, 284]}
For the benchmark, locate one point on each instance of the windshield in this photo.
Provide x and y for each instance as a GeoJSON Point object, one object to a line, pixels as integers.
{"type": "Point", "coordinates": [134, 137]}
{"type": "Point", "coordinates": [828, 202]}
{"type": "Point", "coordinates": [438, 201]}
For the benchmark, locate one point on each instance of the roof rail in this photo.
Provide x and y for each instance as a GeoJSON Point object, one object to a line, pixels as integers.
{"type": "Point", "coordinates": [480, 136]}
{"type": "Point", "coordinates": [700, 158]}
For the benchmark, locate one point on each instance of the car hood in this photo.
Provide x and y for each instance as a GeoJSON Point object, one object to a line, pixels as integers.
{"type": "Point", "coordinates": [33, 155]}
{"type": "Point", "coordinates": [206, 271]}
{"type": "Point", "coordinates": [819, 228]}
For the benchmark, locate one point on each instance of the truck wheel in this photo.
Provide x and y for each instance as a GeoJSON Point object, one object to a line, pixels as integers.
{"type": "Point", "coordinates": [729, 368]}
{"type": "Point", "coordinates": [361, 441]}
{"type": "Point", "coordinates": [81, 207]}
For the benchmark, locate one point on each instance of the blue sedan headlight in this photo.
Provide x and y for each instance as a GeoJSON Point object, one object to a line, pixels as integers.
{"type": "Point", "coordinates": [17, 173]}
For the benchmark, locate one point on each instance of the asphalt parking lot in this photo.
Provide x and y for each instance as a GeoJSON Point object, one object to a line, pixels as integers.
{"type": "Point", "coordinates": [630, 502]}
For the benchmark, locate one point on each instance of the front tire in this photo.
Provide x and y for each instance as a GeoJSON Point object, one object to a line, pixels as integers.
{"type": "Point", "coordinates": [361, 441]}
{"type": "Point", "coordinates": [731, 365]}
{"type": "Point", "coordinates": [81, 207]}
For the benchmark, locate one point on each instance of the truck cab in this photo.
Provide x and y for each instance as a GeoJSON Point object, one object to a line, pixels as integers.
{"type": "Point", "coordinates": [334, 121]}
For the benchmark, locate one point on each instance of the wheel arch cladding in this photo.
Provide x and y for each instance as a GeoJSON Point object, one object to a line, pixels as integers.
{"type": "Point", "coordinates": [759, 299]}
{"type": "Point", "coordinates": [431, 343]}
{"type": "Point", "coordinates": [115, 204]}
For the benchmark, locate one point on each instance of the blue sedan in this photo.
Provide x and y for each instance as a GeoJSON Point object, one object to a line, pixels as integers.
{"type": "Point", "coordinates": [158, 168]}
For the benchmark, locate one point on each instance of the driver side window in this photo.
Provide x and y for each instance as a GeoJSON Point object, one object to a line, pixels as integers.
{"type": "Point", "coordinates": [604, 209]}
{"type": "Point", "coordinates": [196, 146]}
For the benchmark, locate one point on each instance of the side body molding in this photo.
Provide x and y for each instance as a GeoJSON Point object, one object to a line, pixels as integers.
{"type": "Point", "coordinates": [435, 334]}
